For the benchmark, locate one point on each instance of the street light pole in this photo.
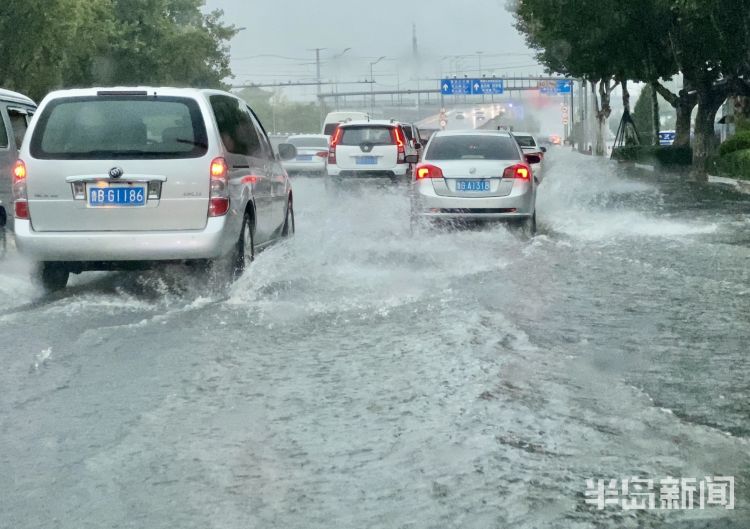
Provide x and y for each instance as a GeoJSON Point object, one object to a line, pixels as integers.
{"type": "Point", "coordinates": [372, 83]}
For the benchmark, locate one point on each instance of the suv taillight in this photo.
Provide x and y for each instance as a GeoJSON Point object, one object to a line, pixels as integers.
{"type": "Point", "coordinates": [20, 196]}
{"type": "Point", "coordinates": [219, 197]}
{"type": "Point", "coordinates": [427, 170]}
{"type": "Point", "coordinates": [398, 138]}
{"type": "Point", "coordinates": [335, 139]}
{"type": "Point", "coordinates": [518, 171]}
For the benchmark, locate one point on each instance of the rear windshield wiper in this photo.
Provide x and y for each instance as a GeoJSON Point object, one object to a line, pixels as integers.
{"type": "Point", "coordinates": [192, 142]}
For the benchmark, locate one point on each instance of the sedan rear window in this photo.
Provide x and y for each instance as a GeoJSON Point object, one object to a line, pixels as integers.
{"type": "Point", "coordinates": [368, 134]}
{"type": "Point", "coordinates": [309, 142]}
{"type": "Point", "coordinates": [525, 141]}
{"type": "Point", "coordinates": [120, 127]}
{"type": "Point", "coordinates": [468, 147]}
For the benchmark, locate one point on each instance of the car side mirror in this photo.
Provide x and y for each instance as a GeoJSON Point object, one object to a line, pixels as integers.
{"type": "Point", "coordinates": [544, 149]}
{"type": "Point", "coordinates": [412, 158]}
{"type": "Point", "coordinates": [287, 151]}
{"type": "Point", "coordinates": [533, 158]}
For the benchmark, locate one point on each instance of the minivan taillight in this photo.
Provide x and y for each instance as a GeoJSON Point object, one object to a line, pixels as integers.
{"type": "Point", "coordinates": [427, 170]}
{"type": "Point", "coordinates": [335, 139]}
{"type": "Point", "coordinates": [518, 171]}
{"type": "Point", "coordinates": [219, 196]}
{"type": "Point", "coordinates": [20, 196]}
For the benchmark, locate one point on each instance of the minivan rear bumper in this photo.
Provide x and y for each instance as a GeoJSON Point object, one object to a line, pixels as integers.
{"type": "Point", "coordinates": [213, 241]}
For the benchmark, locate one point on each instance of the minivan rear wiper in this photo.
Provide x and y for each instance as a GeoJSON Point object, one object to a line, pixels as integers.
{"type": "Point", "coordinates": [192, 142]}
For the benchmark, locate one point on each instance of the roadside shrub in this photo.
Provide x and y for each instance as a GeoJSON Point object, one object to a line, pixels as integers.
{"type": "Point", "coordinates": [738, 142]}
{"type": "Point", "coordinates": [655, 155]}
{"type": "Point", "coordinates": [732, 165]}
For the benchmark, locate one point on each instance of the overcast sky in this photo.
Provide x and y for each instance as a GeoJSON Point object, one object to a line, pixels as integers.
{"type": "Point", "coordinates": [291, 28]}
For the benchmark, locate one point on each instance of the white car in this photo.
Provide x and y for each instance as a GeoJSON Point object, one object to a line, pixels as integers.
{"type": "Point", "coordinates": [312, 154]}
{"type": "Point", "coordinates": [370, 149]}
{"type": "Point", "coordinates": [530, 145]}
{"type": "Point", "coordinates": [475, 175]}
{"type": "Point", "coordinates": [334, 119]}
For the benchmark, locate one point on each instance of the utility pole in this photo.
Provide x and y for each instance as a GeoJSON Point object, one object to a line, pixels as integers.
{"type": "Point", "coordinates": [372, 84]}
{"type": "Point", "coordinates": [318, 79]}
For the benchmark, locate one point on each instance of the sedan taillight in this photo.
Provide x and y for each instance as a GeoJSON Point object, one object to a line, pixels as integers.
{"type": "Point", "coordinates": [518, 171]}
{"type": "Point", "coordinates": [427, 170]}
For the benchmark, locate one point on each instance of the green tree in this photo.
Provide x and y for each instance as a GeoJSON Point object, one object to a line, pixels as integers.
{"type": "Point", "coordinates": [47, 44]}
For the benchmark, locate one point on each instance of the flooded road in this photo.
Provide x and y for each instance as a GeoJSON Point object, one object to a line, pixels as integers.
{"type": "Point", "coordinates": [357, 376]}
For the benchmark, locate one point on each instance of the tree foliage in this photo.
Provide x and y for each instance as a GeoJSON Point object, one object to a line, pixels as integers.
{"type": "Point", "coordinates": [47, 44]}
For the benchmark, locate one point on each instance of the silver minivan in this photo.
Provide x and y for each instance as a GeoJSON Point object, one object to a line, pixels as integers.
{"type": "Point", "coordinates": [15, 114]}
{"type": "Point", "coordinates": [114, 178]}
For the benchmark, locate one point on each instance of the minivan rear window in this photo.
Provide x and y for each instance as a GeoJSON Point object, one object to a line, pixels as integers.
{"type": "Point", "coordinates": [472, 147]}
{"type": "Point", "coordinates": [121, 127]}
{"type": "Point", "coordinates": [376, 135]}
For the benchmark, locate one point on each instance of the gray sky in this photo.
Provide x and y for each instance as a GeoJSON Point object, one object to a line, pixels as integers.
{"type": "Point", "coordinates": [372, 29]}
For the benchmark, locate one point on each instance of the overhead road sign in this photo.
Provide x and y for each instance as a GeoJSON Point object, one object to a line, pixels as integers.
{"type": "Point", "coordinates": [450, 87]}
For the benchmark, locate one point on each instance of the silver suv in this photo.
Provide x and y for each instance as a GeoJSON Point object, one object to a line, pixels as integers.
{"type": "Point", "coordinates": [115, 178]}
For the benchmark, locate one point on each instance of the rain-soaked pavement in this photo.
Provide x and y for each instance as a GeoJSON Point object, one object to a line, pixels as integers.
{"type": "Point", "coordinates": [360, 377]}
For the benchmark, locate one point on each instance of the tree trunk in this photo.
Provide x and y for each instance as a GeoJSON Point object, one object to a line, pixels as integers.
{"type": "Point", "coordinates": [684, 103]}
{"type": "Point", "coordinates": [625, 97]}
{"type": "Point", "coordinates": [684, 110]}
{"type": "Point", "coordinates": [602, 111]}
{"type": "Point", "coordinates": [656, 122]}
{"type": "Point", "coordinates": [709, 102]}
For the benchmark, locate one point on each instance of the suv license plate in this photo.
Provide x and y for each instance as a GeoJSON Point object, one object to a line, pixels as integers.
{"type": "Point", "coordinates": [367, 160]}
{"type": "Point", "coordinates": [116, 196]}
{"type": "Point", "coordinates": [473, 185]}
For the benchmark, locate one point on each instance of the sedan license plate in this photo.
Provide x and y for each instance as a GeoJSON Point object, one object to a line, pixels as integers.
{"type": "Point", "coordinates": [304, 158]}
{"type": "Point", "coordinates": [116, 196]}
{"type": "Point", "coordinates": [473, 185]}
{"type": "Point", "coordinates": [367, 160]}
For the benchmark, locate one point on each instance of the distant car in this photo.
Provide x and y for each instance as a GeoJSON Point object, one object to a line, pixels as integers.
{"type": "Point", "coordinates": [370, 149]}
{"type": "Point", "coordinates": [460, 115]}
{"type": "Point", "coordinates": [530, 145]}
{"type": "Point", "coordinates": [312, 154]}
{"type": "Point", "coordinates": [150, 175]}
{"type": "Point", "coordinates": [476, 175]}
{"type": "Point", "coordinates": [414, 136]}
{"type": "Point", "coordinates": [555, 139]}
{"type": "Point", "coordinates": [15, 115]}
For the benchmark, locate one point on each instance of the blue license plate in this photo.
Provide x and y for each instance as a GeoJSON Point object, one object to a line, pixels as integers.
{"type": "Point", "coordinates": [473, 185]}
{"type": "Point", "coordinates": [304, 158]}
{"type": "Point", "coordinates": [367, 160]}
{"type": "Point", "coordinates": [117, 196]}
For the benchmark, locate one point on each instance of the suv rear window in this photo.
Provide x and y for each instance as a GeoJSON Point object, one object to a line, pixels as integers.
{"type": "Point", "coordinates": [472, 147]}
{"type": "Point", "coordinates": [374, 134]}
{"type": "Point", "coordinates": [133, 127]}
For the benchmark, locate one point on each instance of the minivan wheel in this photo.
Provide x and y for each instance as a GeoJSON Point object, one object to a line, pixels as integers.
{"type": "Point", "coordinates": [289, 227]}
{"type": "Point", "coordinates": [53, 276]}
{"type": "Point", "coordinates": [245, 249]}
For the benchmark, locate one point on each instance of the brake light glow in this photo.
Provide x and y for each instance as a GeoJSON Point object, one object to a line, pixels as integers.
{"type": "Point", "coordinates": [218, 203]}
{"type": "Point", "coordinates": [428, 171]}
{"type": "Point", "coordinates": [321, 154]}
{"type": "Point", "coordinates": [20, 196]}
{"type": "Point", "coordinates": [19, 171]}
{"type": "Point", "coordinates": [518, 171]}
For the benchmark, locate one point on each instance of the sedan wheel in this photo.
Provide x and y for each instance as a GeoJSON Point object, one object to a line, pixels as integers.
{"type": "Point", "coordinates": [245, 250]}
{"type": "Point", "coordinates": [289, 227]}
